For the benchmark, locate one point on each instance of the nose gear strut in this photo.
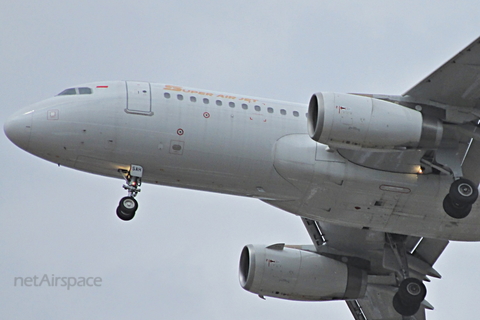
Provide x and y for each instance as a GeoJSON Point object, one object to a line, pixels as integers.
{"type": "Point", "coordinates": [128, 205]}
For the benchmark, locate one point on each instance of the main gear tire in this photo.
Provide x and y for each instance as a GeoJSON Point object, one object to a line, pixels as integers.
{"type": "Point", "coordinates": [463, 191]}
{"type": "Point", "coordinates": [454, 209]}
{"type": "Point", "coordinates": [404, 309]}
{"type": "Point", "coordinates": [412, 291]}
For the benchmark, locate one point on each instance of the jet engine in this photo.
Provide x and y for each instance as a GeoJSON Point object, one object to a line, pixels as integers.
{"type": "Point", "coordinates": [357, 122]}
{"type": "Point", "coordinates": [293, 274]}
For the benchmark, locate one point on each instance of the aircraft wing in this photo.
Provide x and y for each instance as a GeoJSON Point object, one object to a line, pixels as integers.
{"type": "Point", "coordinates": [370, 249]}
{"type": "Point", "coordinates": [450, 94]}
{"type": "Point", "coordinates": [456, 83]}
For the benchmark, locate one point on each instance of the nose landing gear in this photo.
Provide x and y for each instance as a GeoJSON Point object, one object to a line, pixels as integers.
{"type": "Point", "coordinates": [128, 205]}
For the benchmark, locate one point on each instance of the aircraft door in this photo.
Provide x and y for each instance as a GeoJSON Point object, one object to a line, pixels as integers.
{"type": "Point", "coordinates": [139, 97]}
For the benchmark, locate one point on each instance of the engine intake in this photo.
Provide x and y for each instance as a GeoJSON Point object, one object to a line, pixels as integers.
{"type": "Point", "coordinates": [294, 274]}
{"type": "Point", "coordinates": [357, 122]}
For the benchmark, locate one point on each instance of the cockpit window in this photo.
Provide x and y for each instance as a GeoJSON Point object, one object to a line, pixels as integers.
{"type": "Point", "coordinates": [72, 91]}
{"type": "Point", "coordinates": [84, 90]}
{"type": "Point", "coordinates": [67, 92]}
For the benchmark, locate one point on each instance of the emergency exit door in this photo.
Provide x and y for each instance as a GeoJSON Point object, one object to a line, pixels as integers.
{"type": "Point", "coordinates": [139, 97]}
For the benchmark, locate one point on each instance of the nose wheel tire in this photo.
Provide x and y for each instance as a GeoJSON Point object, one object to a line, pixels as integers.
{"type": "Point", "coordinates": [126, 208]}
{"type": "Point", "coordinates": [128, 204]}
{"type": "Point", "coordinates": [463, 191]}
{"type": "Point", "coordinates": [125, 216]}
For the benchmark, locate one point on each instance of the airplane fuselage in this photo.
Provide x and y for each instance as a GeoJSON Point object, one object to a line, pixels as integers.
{"type": "Point", "coordinates": [231, 144]}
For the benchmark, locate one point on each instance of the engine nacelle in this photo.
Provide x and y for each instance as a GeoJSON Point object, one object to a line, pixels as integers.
{"type": "Point", "coordinates": [293, 274]}
{"type": "Point", "coordinates": [357, 122]}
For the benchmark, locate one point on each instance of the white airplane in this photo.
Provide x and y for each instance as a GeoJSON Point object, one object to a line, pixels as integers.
{"type": "Point", "coordinates": [381, 182]}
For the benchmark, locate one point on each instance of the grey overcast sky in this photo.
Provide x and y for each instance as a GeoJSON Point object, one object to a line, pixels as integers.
{"type": "Point", "coordinates": [178, 258]}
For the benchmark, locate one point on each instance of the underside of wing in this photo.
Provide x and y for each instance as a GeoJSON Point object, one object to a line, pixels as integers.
{"type": "Point", "coordinates": [456, 83]}
{"type": "Point", "coordinates": [388, 259]}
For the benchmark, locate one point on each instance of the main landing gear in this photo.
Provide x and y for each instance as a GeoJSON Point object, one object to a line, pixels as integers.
{"type": "Point", "coordinates": [411, 291]}
{"type": "Point", "coordinates": [458, 202]}
{"type": "Point", "coordinates": [409, 296]}
{"type": "Point", "coordinates": [128, 205]}
{"type": "Point", "coordinates": [463, 192]}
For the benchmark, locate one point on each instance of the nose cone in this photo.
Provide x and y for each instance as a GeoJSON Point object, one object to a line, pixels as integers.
{"type": "Point", "coordinates": [18, 129]}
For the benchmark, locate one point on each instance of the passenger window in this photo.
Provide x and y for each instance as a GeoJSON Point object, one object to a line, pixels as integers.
{"type": "Point", "coordinates": [295, 113]}
{"type": "Point", "coordinates": [84, 90]}
{"type": "Point", "coordinates": [67, 92]}
{"type": "Point", "coordinates": [206, 101]}
{"type": "Point", "coordinates": [257, 108]}
{"type": "Point", "coordinates": [244, 106]}
{"type": "Point", "coordinates": [179, 97]}
{"type": "Point", "coordinates": [166, 95]}
{"type": "Point", "coordinates": [231, 104]}
{"type": "Point", "coordinates": [193, 99]}
{"type": "Point", "coordinates": [270, 110]}
{"type": "Point", "coordinates": [218, 102]}
{"type": "Point", "coordinates": [283, 112]}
